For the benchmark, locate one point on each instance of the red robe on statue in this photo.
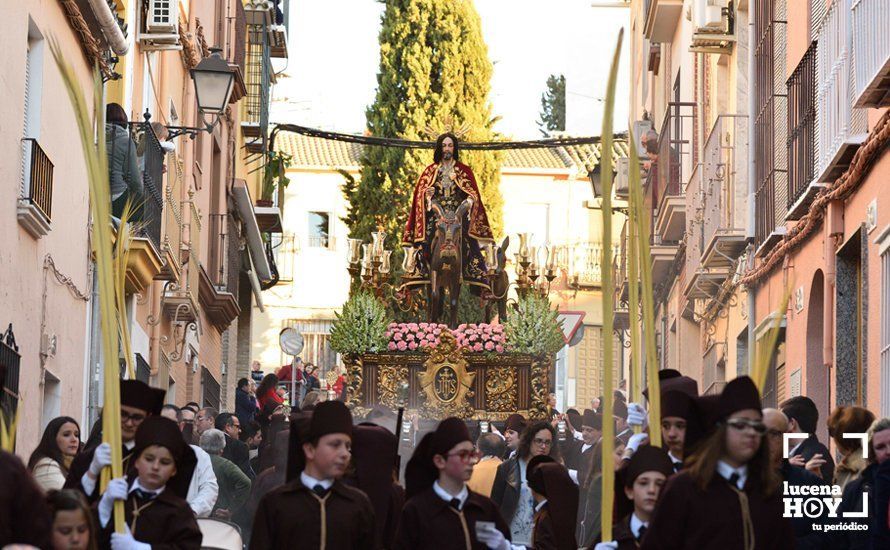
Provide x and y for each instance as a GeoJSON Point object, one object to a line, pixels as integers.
{"type": "Point", "coordinates": [415, 229]}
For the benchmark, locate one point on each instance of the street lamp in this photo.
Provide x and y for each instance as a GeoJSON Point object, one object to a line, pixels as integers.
{"type": "Point", "coordinates": [214, 81]}
{"type": "Point", "coordinates": [596, 181]}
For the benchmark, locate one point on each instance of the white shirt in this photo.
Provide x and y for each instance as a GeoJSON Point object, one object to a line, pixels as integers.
{"type": "Point", "coordinates": [726, 471]}
{"type": "Point", "coordinates": [635, 524]}
{"type": "Point", "coordinates": [796, 447]}
{"type": "Point", "coordinates": [446, 496]}
{"type": "Point", "coordinates": [540, 505]}
{"type": "Point", "coordinates": [311, 482]}
{"type": "Point", "coordinates": [105, 513]}
{"type": "Point", "coordinates": [203, 488]}
{"type": "Point", "coordinates": [523, 521]}
{"type": "Point", "coordinates": [585, 447]}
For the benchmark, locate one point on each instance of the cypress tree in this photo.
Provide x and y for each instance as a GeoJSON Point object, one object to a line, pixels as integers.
{"type": "Point", "coordinates": [433, 66]}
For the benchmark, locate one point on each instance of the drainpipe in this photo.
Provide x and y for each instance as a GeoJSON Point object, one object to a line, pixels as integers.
{"type": "Point", "coordinates": [108, 22]}
{"type": "Point", "coordinates": [830, 239]}
{"type": "Point", "coordinates": [752, 187]}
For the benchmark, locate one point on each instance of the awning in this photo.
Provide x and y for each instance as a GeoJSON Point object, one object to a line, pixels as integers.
{"type": "Point", "coordinates": [254, 239]}
{"type": "Point", "coordinates": [255, 285]}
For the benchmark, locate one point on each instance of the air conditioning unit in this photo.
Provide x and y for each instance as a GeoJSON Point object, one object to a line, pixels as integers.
{"type": "Point", "coordinates": [708, 14]}
{"type": "Point", "coordinates": [162, 17]}
{"type": "Point", "coordinates": [160, 28]}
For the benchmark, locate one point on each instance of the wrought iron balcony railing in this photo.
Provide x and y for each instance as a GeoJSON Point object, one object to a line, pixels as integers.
{"type": "Point", "coordinates": [724, 181]}
{"type": "Point", "coordinates": [37, 186]}
{"type": "Point", "coordinates": [150, 210]}
{"type": "Point", "coordinates": [871, 50]}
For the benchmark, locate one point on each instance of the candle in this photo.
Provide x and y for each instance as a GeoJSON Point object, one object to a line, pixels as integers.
{"type": "Point", "coordinates": [366, 255]}
{"type": "Point", "coordinates": [551, 257]}
{"type": "Point", "coordinates": [409, 261]}
{"type": "Point", "coordinates": [384, 261]}
{"type": "Point", "coordinates": [355, 249]}
{"type": "Point", "coordinates": [377, 246]}
{"type": "Point", "coordinates": [523, 246]}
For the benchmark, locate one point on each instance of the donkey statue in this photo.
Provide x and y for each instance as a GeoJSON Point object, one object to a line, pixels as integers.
{"type": "Point", "coordinates": [500, 284]}
{"type": "Point", "coordinates": [446, 261]}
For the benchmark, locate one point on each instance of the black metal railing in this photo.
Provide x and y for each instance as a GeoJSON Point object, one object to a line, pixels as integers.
{"type": "Point", "coordinates": [258, 81]}
{"type": "Point", "coordinates": [150, 209]}
{"type": "Point", "coordinates": [802, 125]}
{"type": "Point", "coordinates": [10, 361]}
{"type": "Point", "coordinates": [218, 237]}
{"type": "Point", "coordinates": [675, 151]}
{"type": "Point", "coordinates": [38, 185]}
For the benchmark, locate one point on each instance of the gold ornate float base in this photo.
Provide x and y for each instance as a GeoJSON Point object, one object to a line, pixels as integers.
{"type": "Point", "coordinates": [450, 383]}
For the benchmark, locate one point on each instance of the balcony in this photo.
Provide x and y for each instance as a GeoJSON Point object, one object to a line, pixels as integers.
{"type": "Point", "coordinates": [670, 173]}
{"type": "Point", "coordinates": [149, 212]}
{"type": "Point", "coordinates": [724, 180]}
{"type": "Point", "coordinates": [840, 128]}
{"type": "Point", "coordinates": [219, 282]}
{"type": "Point", "coordinates": [10, 366]}
{"type": "Point", "coordinates": [661, 19]}
{"type": "Point", "coordinates": [255, 121]}
{"type": "Point", "coordinates": [871, 50]}
{"type": "Point", "coordinates": [180, 302]}
{"type": "Point", "coordinates": [802, 189]}
{"type": "Point", "coordinates": [663, 257]}
{"type": "Point", "coordinates": [697, 282]}
{"type": "Point", "coordinates": [714, 369]}
{"type": "Point", "coordinates": [173, 219]}
{"type": "Point", "coordinates": [36, 198]}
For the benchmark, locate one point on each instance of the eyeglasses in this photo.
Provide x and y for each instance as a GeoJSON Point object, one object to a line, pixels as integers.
{"type": "Point", "coordinates": [465, 455]}
{"type": "Point", "coordinates": [542, 442]}
{"type": "Point", "coordinates": [741, 423]}
{"type": "Point", "coordinates": [134, 418]}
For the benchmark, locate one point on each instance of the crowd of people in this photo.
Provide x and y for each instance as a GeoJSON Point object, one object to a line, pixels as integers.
{"type": "Point", "coordinates": [315, 477]}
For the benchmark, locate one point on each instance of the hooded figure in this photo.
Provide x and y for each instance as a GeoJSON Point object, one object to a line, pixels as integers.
{"type": "Point", "coordinates": [557, 504]}
{"type": "Point", "coordinates": [374, 457]}
{"type": "Point", "coordinates": [441, 512]}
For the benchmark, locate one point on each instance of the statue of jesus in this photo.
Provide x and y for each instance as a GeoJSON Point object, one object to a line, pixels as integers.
{"type": "Point", "coordinates": [448, 182]}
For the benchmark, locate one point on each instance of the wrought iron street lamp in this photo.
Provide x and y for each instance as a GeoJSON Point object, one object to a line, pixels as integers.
{"type": "Point", "coordinates": [214, 81]}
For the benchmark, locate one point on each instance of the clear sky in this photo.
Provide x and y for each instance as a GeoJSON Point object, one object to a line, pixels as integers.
{"type": "Point", "coordinates": [334, 57]}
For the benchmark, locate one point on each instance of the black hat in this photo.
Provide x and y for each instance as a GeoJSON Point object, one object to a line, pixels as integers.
{"type": "Point", "coordinates": [330, 417]}
{"type": "Point", "coordinates": [592, 420]}
{"type": "Point", "coordinates": [139, 395]}
{"type": "Point", "coordinates": [299, 434]}
{"type": "Point", "coordinates": [420, 472]}
{"type": "Point", "coordinates": [738, 395]}
{"type": "Point", "coordinates": [516, 422]}
{"type": "Point", "coordinates": [374, 453]}
{"type": "Point", "coordinates": [677, 404]}
{"type": "Point", "coordinates": [574, 418]}
{"type": "Point", "coordinates": [562, 500]}
{"type": "Point", "coordinates": [671, 379]}
{"type": "Point", "coordinates": [161, 431]}
{"type": "Point", "coordinates": [620, 409]}
{"type": "Point", "coordinates": [648, 458]}
{"type": "Point", "coordinates": [534, 477]}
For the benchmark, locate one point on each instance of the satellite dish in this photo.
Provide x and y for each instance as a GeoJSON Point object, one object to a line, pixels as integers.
{"type": "Point", "coordinates": [291, 341]}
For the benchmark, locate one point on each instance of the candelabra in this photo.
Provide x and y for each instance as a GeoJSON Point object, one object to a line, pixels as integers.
{"type": "Point", "coordinates": [371, 264]}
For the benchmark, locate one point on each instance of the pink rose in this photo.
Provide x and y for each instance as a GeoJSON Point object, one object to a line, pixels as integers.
{"type": "Point", "coordinates": [409, 337]}
{"type": "Point", "coordinates": [412, 326]}
{"type": "Point", "coordinates": [397, 336]}
{"type": "Point", "coordinates": [402, 346]}
{"type": "Point", "coordinates": [437, 331]}
{"type": "Point", "coordinates": [498, 329]}
{"type": "Point", "coordinates": [473, 337]}
{"type": "Point", "coordinates": [412, 346]}
{"type": "Point", "coordinates": [391, 346]}
{"type": "Point", "coordinates": [489, 346]}
{"type": "Point", "coordinates": [477, 346]}
{"type": "Point", "coordinates": [430, 336]}
{"type": "Point", "coordinates": [461, 326]}
{"type": "Point", "coordinates": [499, 348]}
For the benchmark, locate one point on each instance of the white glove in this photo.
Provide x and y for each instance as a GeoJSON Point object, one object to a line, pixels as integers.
{"type": "Point", "coordinates": [636, 415]}
{"type": "Point", "coordinates": [101, 459]}
{"type": "Point", "coordinates": [611, 545]}
{"type": "Point", "coordinates": [493, 538]}
{"type": "Point", "coordinates": [117, 490]}
{"type": "Point", "coordinates": [636, 440]}
{"type": "Point", "coordinates": [126, 541]}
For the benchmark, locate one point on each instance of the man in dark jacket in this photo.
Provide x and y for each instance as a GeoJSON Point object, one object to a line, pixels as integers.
{"type": "Point", "coordinates": [803, 417]}
{"type": "Point", "coordinates": [246, 406]}
{"type": "Point", "coordinates": [236, 450]}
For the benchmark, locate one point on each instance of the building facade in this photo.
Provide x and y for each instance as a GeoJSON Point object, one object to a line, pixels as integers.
{"type": "Point", "coordinates": [198, 257]}
{"type": "Point", "coordinates": [765, 124]}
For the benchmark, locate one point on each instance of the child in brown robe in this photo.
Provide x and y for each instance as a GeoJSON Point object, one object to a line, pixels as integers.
{"type": "Point", "coordinates": [441, 512]}
{"type": "Point", "coordinates": [156, 518]}
{"type": "Point", "coordinates": [556, 497]}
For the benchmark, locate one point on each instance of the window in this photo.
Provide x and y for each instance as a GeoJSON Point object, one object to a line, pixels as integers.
{"type": "Point", "coordinates": [770, 124]}
{"type": "Point", "coordinates": [316, 344]}
{"type": "Point", "coordinates": [885, 333]}
{"type": "Point", "coordinates": [209, 389]}
{"type": "Point", "coordinates": [319, 230]}
{"type": "Point", "coordinates": [802, 125]}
